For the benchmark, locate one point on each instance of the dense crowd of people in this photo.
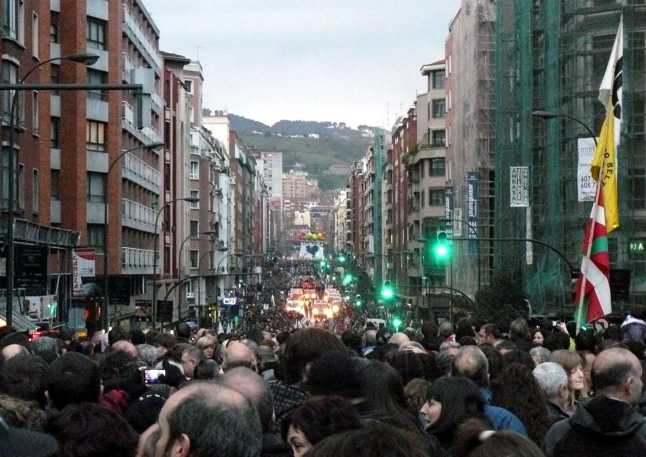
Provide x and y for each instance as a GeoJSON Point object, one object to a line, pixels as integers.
{"type": "Point", "coordinates": [463, 389]}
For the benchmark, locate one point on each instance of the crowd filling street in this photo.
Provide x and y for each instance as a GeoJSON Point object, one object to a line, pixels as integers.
{"type": "Point", "coordinates": [273, 388]}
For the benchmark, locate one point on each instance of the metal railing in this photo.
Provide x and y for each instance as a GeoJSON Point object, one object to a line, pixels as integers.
{"type": "Point", "coordinates": [138, 216]}
{"type": "Point", "coordinates": [140, 172]}
{"type": "Point", "coordinates": [135, 260]}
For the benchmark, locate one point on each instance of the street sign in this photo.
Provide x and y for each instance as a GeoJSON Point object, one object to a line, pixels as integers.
{"type": "Point", "coordinates": [229, 301]}
{"type": "Point", "coordinates": [518, 187]}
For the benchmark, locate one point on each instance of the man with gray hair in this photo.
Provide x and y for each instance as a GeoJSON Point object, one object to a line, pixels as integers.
{"type": "Point", "coordinates": [369, 341]}
{"type": "Point", "coordinates": [553, 381]}
{"type": "Point", "coordinates": [46, 347]}
{"type": "Point", "coordinates": [540, 355]}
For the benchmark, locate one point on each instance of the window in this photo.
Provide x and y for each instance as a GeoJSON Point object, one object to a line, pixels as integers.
{"type": "Point", "coordinates": [638, 191]}
{"type": "Point", "coordinates": [95, 136]}
{"type": "Point", "coordinates": [195, 195]}
{"type": "Point", "coordinates": [95, 234]}
{"type": "Point", "coordinates": [34, 35]}
{"type": "Point", "coordinates": [21, 186]}
{"type": "Point", "coordinates": [35, 113]}
{"type": "Point", "coordinates": [194, 258]}
{"type": "Point", "coordinates": [95, 187]}
{"type": "Point", "coordinates": [97, 77]}
{"type": "Point", "coordinates": [9, 75]}
{"type": "Point", "coordinates": [54, 133]}
{"type": "Point", "coordinates": [436, 197]}
{"type": "Point", "coordinates": [11, 20]}
{"type": "Point", "coordinates": [55, 184]}
{"type": "Point", "coordinates": [439, 107]}
{"type": "Point", "coordinates": [437, 79]}
{"type": "Point", "coordinates": [35, 195]}
{"type": "Point", "coordinates": [55, 76]}
{"type": "Point", "coordinates": [195, 170]}
{"type": "Point", "coordinates": [95, 33]}
{"type": "Point", "coordinates": [194, 229]}
{"type": "Point", "coordinates": [188, 86]}
{"type": "Point", "coordinates": [437, 167]}
{"type": "Point", "coordinates": [438, 138]}
{"type": "Point", "coordinates": [53, 28]}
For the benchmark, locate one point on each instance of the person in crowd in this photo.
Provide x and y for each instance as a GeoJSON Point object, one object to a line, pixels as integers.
{"type": "Point", "coordinates": [607, 424]}
{"type": "Point", "coordinates": [317, 419]}
{"type": "Point", "coordinates": [557, 340]}
{"type": "Point", "coordinates": [415, 392]}
{"type": "Point", "coordinates": [89, 429]}
{"type": "Point", "coordinates": [399, 338]}
{"type": "Point", "coordinates": [21, 413]}
{"type": "Point", "coordinates": [268, 362]}
{"type": "Point", "coordinates": [352, 341]}
{"type": "Point", "coordinates": [446, 332]}
{"type": "Point", "coordinates": [474, 439]}
{"type": "Point", "coordinates": [122, 380]}
{"type": "Point", "coordinates": [374, 440]}
{"type": "Point", "coordinates": [252, 386]}
{"type": "Point", "coordinates": [144, 410]}
{"type": "Point", "coordinates": [369, 342]}
{"type": "Point", "coordinates": [46, 347]}
{"type": "Point", "coordinates": [191, 357]}
{"type": "Point", "coordinates": [208, 345]}
{"type": "Point", "coordinates": [494, 362]}
{"type": "Point", "coordinates": [412, 365]}
{"type": "Point", "coordinates": [519, 334]}
{"type": "Point", "coordinates": [505, 346]}
{"type": "Point", "coordinates": [586, 345]}
{"type": "Point", "coordinates": [334, 373]}
{"type": "Point", "coordinates": [19, 442]}
{"type": "Point", "coordinates": [233, 430]}
{"type": "Point", "coordinates": [518, 392]}
{"type": "Point", "coordinates": [25, 377]}
{"type": "Point", "coordinates": [489, 334]}
{"type": "Point", "coordinates": [12, 350]}
{"type": "Point", "coordinates": [238, 354]}
{"type": "Point", "coordinates": [538, 338]}
{"type": "Point", "coordinates": [73, 378]}
{"type": "Point", "coordinates": [471, 363]}
{"type": "Point", "coordinates": [207, 369]}
{"type": "Point", "coordinates": [633, 328]}
{"type": "Point", "coordinates": [125, 346]}
{"type": "Point", "coordinates": [540, 354]}
{"type": "Point", "coordinates": [148, 354]}
{"type": "Point", "coordinates": [521, 357]}
{"type": "Point", "coordinates": [451, 401]}
{"type": "Point", "coordinates": [553, 381]}
{"type": "Point", "coordinates": [572, 363]}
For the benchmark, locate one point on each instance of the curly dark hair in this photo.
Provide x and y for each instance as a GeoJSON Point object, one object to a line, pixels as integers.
{"type": "Point", "coordinates": [517, 391]}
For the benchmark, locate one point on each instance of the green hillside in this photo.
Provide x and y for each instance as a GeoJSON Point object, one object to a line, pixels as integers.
{"type": "Point", "coordinates": [336, 145]}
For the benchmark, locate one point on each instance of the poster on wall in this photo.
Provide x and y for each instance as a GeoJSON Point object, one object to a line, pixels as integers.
{"type": "Point", "coordinates": [519, 187]}
{"type": "Point", "coordinates": [472, 203]}
{"type": "Point", "coordinates": [585, 183]}
{"type": "Point", "coordinates": [83, 266]}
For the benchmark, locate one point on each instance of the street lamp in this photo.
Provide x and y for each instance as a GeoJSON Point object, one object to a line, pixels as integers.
{"type": "Point", "coordinates": [106, 284]}
{"type": "Point", "coordinates": [85, 58]}
{"type": "Point", "coordinates": [156, 253]}
{"type": "Point", "coordinates": [181, 249]}
{"type": "Point", "coordinates": [546, 115]}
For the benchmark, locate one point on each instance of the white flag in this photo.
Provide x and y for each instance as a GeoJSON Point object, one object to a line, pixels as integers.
{"type": "Point", "coordinates": [611, 89]}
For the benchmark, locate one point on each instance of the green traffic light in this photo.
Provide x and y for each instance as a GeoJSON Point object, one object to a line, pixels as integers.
{"type": "Point", "coordinates": [441, 251]}
{"type": "Point", "coordinates": [342, 258]}
{"type": "Point", "coordinates": [387, 292]}
{"type": "Point", "coordinates": [347, 279]}
{"type": "Point", "coordinates": [358, 303]}
{"type": "Point", "coordinates": [397, 322]}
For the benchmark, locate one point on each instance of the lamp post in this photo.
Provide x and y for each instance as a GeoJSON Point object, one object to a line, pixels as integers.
{"type": "Point", "coordinates": [181, 249]}
{"type": "Point", "coordinates": [156, 253]}
{"type": "Point", "coordinates": [87, 59]}
{"type": "Point", "coordinates": [546, 115]}
{"type": "Point", "coordinates": [106, 284]}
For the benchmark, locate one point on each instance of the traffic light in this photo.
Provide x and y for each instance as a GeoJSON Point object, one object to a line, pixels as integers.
{"type": "Point", "coordinates": [347, 279]}
{"type": "Point", "coordinates": [387, 291]}
{"type": "Point", "coordinates": [342, 258]}
{"type": "Point", "coordinates": [397, 322]}
{"type": "Point", "coordinates": [441, 249]}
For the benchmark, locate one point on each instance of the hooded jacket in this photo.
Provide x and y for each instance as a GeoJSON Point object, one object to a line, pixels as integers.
{"type": "Point", "coordinates": [634, 329]}
{"type": "Point", "coordinates": [600, 427]}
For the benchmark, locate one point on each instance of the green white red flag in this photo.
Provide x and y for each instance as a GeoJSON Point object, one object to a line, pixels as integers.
{"type": "Point", "coordinates": [593, 286]}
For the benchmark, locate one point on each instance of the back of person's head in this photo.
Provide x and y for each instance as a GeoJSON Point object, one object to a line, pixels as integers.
{"type": "Point", "coordinates": [540, 355]}
{"type": "Point", "coordinates": [46, 347]}
{"type": "Point", "coordinates": [586, 341]}
{"type": "Point", "coordinates": [251, 385]}
{"type": "Point", "coordinates": [491, 330]}
{"type": "Point", "coordinates": [557, 340]}
{"type": "Point", "coordinates": [352, 340]}
{"type": "Point", "coordinates": [412, 365]}
{"type": "Point", "coordinates": [551, 377]}
{"type": "Point", "coordinates": [12, 350]}
{"type": "Point", "coordinates": [120, 371]}
{"type": "Point", "coordinates": [73, 378]}
{"type": "Point", "coordinates": [206, 369]}
{"type": "Point", "coordinates": [165, 341]}
{"type": "Point", "coordinates": [21, 413]}
{"type": "Point", "coordinates": [464, 328]}
{"type": "Point", "coordinates": [370, 337]}
{"type": "Point", "coordinates": [429, 330]}
{"type": "Point", "coordinates": [383, 389]}
{"type": "Point", "coordinates": [519, 330]}
{"type": "Point", "coordinates": [617, 372]}
{"type": "Point", "coordinates": [144, 410]}
{"type": "Point", "coordinates": [460, 398]}
{"type": "Point", "coordinates": [321, 417]}
{"type": "Point", "coordinates": [521, 357]}
{"type": "Point", "coordinates": [334, 373]}
{"type": "Point", "coordinates": [494, 361]}
{"type": "Point", "coordinates": [184, 331]}
{"type": "Point", "coordinates": [237, 354]}
{"type": "Point", "coordinates": [25, 377]}
{"type": "Point", "coordinates": [148, 354]}
{"type": "Point", "coordinates": [475, 439]}
{"type": "Point", "coordinates": [415, 392]}
{"type": "Point", "coordinates": [304, 346]}
{"type": "Point", "coordinates": [116, 334]}
{"type": "Point", "coordinates": [471, 362]}
{"type": "Point", "coordinates": [89, 429]}
{"type": "Point", "coordinates": [445, 329]}
{"type": "Point", "coordinates": [137, 337]}
{"type": "Point", "coordinates": [215, 419]}
{"type": "Point", "coordinates": [376, 439]}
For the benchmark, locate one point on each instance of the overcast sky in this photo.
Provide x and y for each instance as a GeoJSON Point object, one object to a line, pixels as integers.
{"type": "Point", "coordinates": [355, 61]}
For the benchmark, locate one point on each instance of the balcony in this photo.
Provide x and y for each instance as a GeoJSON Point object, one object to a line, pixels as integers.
{"type": "Point", "coordinates": [95, 212]}
{"type": "Point", "coordinates": [137, 216]}
{"type": "Point", "coordinates": [97, 109]}
{"type": "Point", "coordinates": [55, 5]}
{"type": "Point", "coordinates": [136, 170]}
{"type": "Point", "coordinates": [55, 211]}
{"type": "Point", "coordinates": [54, 50]}
{"type": "Point", "coordinates": [55, 105]}
{"type": "Point", "coordinates": [152, 135]}
{"type": "Point", "coordinates": [97, 9]}
{"type": "Point", "coordinates": [137, 261]}
{"type": "Point", "coordinates": [126, 68]}
{"type": "Point", "coordinates": [134, 32]}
